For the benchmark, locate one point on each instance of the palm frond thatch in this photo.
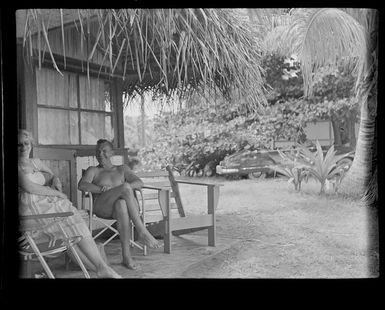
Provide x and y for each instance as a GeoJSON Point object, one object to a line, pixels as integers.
{"type": "Point", "coordinates": [274, 41]}
{"type": "Point", "coordinates": [321, 38]}
{"type": "Point", "coordinates": [267, 19]}
{"type": "Point", "coordinates": [169, 50]}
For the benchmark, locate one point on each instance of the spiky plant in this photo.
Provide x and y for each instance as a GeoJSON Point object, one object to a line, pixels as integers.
{"type": "Point", "coordinates": [294, 174]}
{"type": "Point", "coordinates": [324, 168]}
{"type": "Point", "coordinates": [293, 167]}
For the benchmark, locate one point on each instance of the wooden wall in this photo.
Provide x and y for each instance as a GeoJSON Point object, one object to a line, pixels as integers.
{"type": "Point", "coordinates": [76, 46]}
{"type": "Point", "coordinates": [63, 165]}
{"type": "Point", "coordinates": [61, 168]}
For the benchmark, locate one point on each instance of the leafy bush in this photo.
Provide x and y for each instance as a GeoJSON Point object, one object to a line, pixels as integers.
{"type": "Point", "coordinates": [203, 134]}
{"type": "Point", "coordinates": [333, 96]}
{"type": "Point", "coordinates": [205, 131]}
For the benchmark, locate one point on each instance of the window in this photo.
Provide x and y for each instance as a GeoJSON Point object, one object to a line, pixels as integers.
{"type": "Point", "coordinates": [72, 109]}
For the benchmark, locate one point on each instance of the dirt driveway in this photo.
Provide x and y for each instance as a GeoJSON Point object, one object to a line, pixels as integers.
{"type": "Point", "coordinates": [285, 234]}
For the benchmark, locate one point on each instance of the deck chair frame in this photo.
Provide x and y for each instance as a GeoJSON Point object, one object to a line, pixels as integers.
{"type": "Point", "coordinates": [107, 223]}
{"type": "Point", "coordinates": [28, 240]}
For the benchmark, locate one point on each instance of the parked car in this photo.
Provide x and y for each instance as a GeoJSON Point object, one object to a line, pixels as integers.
{"type": "Point", "coordinates": [253, 164]}
{"type": "Point", "coordinates": [348, 159]}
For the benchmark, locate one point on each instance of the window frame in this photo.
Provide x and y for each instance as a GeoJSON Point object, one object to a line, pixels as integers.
{"type": "Point", "coordinates": [78, 109]}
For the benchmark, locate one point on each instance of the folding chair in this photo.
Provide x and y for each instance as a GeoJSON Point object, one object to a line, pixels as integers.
{"type": "Point", "coordinates": [107, 224]}
{"type": "Point", "coordinates": [32, 248]}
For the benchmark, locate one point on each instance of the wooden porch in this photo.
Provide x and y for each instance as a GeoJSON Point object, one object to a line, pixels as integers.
{"type": "Point", "coordinates": [189, 251]}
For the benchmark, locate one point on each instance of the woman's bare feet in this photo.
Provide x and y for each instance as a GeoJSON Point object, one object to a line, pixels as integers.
{"type": "Point", "coordinates": [130, 263]}
{"type": "Point", "coordinates": [107, 272]}
{"type": "Point", "coordinates": [149, 240]}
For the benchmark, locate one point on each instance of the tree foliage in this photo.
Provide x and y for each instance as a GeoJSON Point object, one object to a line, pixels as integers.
{"type": "Point", "coordinates": [210, 129]}
{"type": "Point", "coordinates": [333, 94]}
{"type": "Point", "coordinates": [203, 133]}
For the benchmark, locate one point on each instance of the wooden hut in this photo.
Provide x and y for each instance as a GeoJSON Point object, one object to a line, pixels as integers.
{"type": "Point", "coordinates": [74, 66]}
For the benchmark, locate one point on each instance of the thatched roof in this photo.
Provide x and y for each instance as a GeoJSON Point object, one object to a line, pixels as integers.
{"type": "Point", "coordinates": [165, 50]}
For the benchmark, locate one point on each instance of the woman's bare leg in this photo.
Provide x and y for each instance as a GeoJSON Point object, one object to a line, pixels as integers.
{"type": "Point", "coordinates": [89, 249]}
{"type": "Point", "coordinates": [87, 263]}
{"type": "Point", "coordinates": [104, 207]}
{"type": "Point", "coordinates": [120, 213]}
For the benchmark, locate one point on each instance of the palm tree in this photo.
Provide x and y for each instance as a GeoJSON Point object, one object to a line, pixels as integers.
{"type": "Point", "coordinates": [325, 38]}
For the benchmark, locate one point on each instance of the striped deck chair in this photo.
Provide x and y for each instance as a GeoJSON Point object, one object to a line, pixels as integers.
{"type": "Point", "coordinates": [33, 248]}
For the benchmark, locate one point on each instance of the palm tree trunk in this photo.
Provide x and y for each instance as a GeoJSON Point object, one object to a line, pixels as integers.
{"type": "Point", "coordinates": [352, 130]}
{"type": "Point", "coordinates": [357, 178]}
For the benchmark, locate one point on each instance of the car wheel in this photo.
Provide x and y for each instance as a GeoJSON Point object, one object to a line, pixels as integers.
{"type": "Point", "coordinates": [208, 173]}
{"type": "Point", "coordinates": [346, 162]}
{"type": "Point", "coordinates": [256, 175]}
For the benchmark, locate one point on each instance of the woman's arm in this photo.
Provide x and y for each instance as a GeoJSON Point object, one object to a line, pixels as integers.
{"type": "Point", "coordinates": [54, 181]}
{"type": "Point", "coordinates": [132, 178]}
{"type": "Point", "coordinates": [85, 184]}
{"type": "Point", "coordinates": [37, 189]}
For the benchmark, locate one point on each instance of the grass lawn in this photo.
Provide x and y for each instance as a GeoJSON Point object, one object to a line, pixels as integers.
{"type": "Point", "coordinates": [286, 234]}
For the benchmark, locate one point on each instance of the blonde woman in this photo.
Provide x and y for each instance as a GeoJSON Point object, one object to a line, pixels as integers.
{"type": "Point", "coordinates": [36, 197]}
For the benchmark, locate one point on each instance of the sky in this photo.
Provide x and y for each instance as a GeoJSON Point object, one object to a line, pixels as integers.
{"type": "Point", "coordinates": [151, 107]}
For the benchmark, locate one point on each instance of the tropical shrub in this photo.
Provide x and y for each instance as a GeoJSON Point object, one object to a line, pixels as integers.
{"type": "Point", "coordinates": [203, 135]}
{"type": "Point", "coordinates": [294, 174]}
{"type": "Point", "coordinates": [301, 163]}
{"type": "Point", "coordinates": [293, 167]}
{"type": "Point", "coordinates": [333, 97]}
{"type": "Point", "coordinates": [324, 168]}
{"type": "Point", "coordinates": [205, 131]}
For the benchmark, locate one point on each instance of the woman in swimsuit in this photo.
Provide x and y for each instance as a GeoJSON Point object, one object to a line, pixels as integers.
{"type": "Point", "coordinates": [35, 197]}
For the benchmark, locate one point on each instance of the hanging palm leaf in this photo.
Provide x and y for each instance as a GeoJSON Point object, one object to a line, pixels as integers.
{"type": "Point", "coordinates": [171, 48]}
{"type": "Point", "coordinates": [320, 38]}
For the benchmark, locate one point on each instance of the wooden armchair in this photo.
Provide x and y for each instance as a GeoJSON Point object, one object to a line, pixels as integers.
{"type": "Point", "coordinates": [169, 222]}
{"type": "Point", "coordinates": [32, 248]}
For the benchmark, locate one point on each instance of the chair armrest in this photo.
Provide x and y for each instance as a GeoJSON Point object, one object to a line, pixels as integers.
{"type": "Point", "coordinates": [28, 226]}
{"type": "Point", "coordinates": [42, 216]}
{"type": "Point", "coordinates": [212, 192]}
{"type": "Point", "coordinates": [158, 188]}
{"type": "Point", "coordinates": [184, 181]}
